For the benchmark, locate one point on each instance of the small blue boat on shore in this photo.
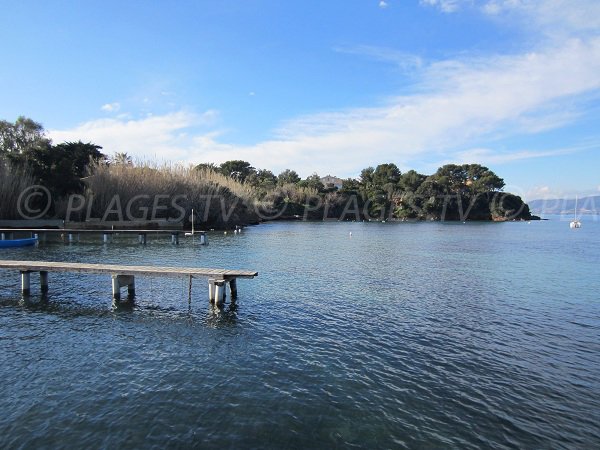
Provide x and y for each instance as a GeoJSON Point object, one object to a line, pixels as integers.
{"type": "Point", "coordinates": [11, 243]}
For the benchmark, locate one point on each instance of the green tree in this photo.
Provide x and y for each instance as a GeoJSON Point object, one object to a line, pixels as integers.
{"type": "Point", "coordinates": [312, 182]}
{"type": "Point", "coordinates": [431, 194]}
{"type": "Point", "coordinates": [505, 206]}
{"type": "Point", "coordinates": [386, 174]}
{"type": "Point", "coordinates": [207, 166]}
{"type": "Point", "coordinates": [236, 169]}
{"type": "Point", "coordinates": [411, 180]}
{"type": "Point", "coordinates": [288, 177]}
{"type": "Point", "coordinates": [366, 176]}
{"type": "Point", "coordinates": [350, 186]}
{"type": "Point", "coordinates": [22, 136]}
{"type": "Point", "coordinates": [481, 179]}
{"type": "Point", "coordinates": [61, 167]}
{"type": "Point", "coordinates": [452, 178]}
{"type": "Point", "coordinates": [262, 179]}
{"type": "Point", "coordinates": [468, 179]}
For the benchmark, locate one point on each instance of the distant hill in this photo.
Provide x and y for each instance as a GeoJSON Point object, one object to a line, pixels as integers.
{"type": "Point", "coordinates": [585, 205]}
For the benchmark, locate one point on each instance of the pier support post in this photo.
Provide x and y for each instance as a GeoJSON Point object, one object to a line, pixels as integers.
{"type": "Point", "coordinates": [44, 282]}
{"type": "Point", "coordinates": [203, 240]}
{"type": "Point", "coordinates": [216, 291]}
{"type": "Point", "coordinates": [233, 288]}
{"type": "Point", "coordinates": [142, 238]}
{"type": "Point", "coordinates": [219, 292]}
{"type": "Point", "coordinates": [119, 281]}
{"type": "Point", "coordinates": [106, 238]}
{"type": "Point", "coordinates": [211, 290]}
{"type": "Point", "coordinates": [131, 288]}
{"type": "Point", "coordinates": [2, 236]}
{"type": "Point", "coordinates": [25, 283]}
{"type": "Point", "coordinates": [175, 238]}
{"type": "Point", "coordinates": [116, 288]}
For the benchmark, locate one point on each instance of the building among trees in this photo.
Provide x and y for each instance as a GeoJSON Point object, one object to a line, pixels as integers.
{"type": "Point", "coordinates": [331, 181]}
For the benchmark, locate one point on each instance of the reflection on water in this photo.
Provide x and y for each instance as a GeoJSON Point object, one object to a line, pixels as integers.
{"type": "Point", "coordinates": [398, 335]}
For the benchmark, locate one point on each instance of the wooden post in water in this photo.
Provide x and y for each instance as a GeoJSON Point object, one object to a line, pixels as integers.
{"type": "Point", "coordinates": [119, 281]}
{"type": "Point", "coordinates": [211, 290]}
{"type": "Point", "coordinates": [106, 238]}
{"type": "Point", "coordinates": [219, 292]}
{"type": "Point", "coordinates": [142, 238]}
{"type": "Point", "coordinates": [233, 288]}
{"type": "Point", "coordinates": [44, 281]}
{"type": "Point", "coordinates": [25, 283]}
{"type": "Point", "coordinates": [131, 286]}
{"type": "Point", "coordinates": [116, 288]}
{"type": "Point", "coordinates": [175, 238]}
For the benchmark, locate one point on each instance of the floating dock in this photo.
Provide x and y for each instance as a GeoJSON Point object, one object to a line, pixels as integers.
{"type": "Point", "coordinates": [72, 234]}
{"type": "Point", "coordinates": [124, 276]}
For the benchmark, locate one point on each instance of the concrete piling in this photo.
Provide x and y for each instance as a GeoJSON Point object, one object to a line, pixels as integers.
{"type": "Point", "coordinates": [119, 281]}
{"type": "Point", "coordinates": [44, 282]}
{"type": "Point", "coordinates": [25, 283]}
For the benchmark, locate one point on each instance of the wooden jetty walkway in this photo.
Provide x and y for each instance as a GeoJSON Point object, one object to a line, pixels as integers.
{"type": "Point", "coordinates": [72, 234]}
{"type": "Point", "coordinates": [124, 276]}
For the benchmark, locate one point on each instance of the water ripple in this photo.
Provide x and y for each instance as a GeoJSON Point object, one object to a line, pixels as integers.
{"type": "Point", "coordinates": [402, 336]}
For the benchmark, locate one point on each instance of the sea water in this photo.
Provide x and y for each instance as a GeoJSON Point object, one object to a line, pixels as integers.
{"type": "Point", "coordinates": [415, 335]}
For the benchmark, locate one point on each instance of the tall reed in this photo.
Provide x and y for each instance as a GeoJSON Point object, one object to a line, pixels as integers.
{"type": "Point", "coordinates": [13, 182]}
{"type": "Point", "coordinates": [217, 199]}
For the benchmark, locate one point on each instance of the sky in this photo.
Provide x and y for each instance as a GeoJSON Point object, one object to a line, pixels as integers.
{"type": "Point", "coordinates": [325, 86]}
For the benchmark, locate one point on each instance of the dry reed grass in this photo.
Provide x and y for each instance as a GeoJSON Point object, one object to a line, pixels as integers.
{"type": "Point", "coordinates": [13, 181]}
{"type": "Point", "coordinates": [217, 199]}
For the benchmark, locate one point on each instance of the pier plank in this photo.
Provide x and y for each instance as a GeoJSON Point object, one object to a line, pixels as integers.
{"type": "Point", "coordinates": [53, 266]}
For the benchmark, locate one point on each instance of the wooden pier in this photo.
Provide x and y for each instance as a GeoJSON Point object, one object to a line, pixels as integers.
{"type": "Point", "coordinates": [124, 276]}
{"type": "Point", "coordinates": [71, 235]}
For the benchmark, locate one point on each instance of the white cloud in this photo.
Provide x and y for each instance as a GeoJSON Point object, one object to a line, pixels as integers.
{"type": "Point", "coordinates": [404, 61]}
{"type": "Point", "coordinates": [383, 4]}
{"type": "Point", "coordinates": [464, 100]}
{"type": "Point", "coordinates": [554, 196]}
{"type": "Point", "coordinates": [457, 102]}
{"type": "Point", "coordinates": [541, 192]}
{"type": "Point", "coordinates": [554, 17]}
{"type": "Point", "coordinates": [447, 6]}
{"type": "Point", "coordinates": [492, 8]}
{"type": "Point", "coordinates": [488, 156]}
{"type": "Point", "coordinates": [460, 100]}
{"type": "Point", "coordinates": [158, 137]}
{"type": "Point", "coordinates": [111, 107]}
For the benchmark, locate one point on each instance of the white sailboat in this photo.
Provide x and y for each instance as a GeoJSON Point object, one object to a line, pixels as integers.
{"type": "Point", "coordinates": [192, 233]}
{"type": "Point", "coordinates": [575, 223]}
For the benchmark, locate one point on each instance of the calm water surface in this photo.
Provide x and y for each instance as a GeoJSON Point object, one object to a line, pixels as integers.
{"type": "Point", "coordinates": [423, 335]}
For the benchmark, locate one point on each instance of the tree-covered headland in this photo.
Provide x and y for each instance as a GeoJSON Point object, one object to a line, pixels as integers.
{"type": "Point", "coordinates": [83, 183]}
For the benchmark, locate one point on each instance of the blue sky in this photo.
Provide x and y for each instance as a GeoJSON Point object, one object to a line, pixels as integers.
{"type": "Point", "coordinates": [318, 86]}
